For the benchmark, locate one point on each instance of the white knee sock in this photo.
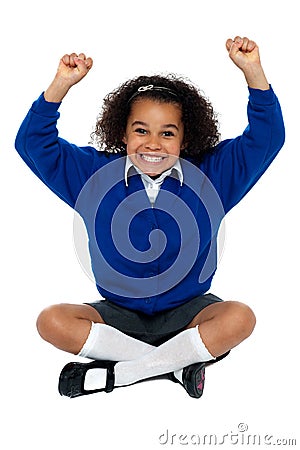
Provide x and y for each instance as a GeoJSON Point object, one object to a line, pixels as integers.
{"type": "Point", "coordinates": [139, 360]}
{"type": "Point", "coordinates": [108, 343]}
{"type": "Point", "coordinates": [184, 349]}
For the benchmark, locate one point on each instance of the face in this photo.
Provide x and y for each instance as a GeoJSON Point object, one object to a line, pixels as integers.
{"type": "Point", "coordinates": [154, 135]}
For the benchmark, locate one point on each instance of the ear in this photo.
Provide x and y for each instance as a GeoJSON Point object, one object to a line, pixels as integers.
{"type": "Point", "coordinates": [124, 139]}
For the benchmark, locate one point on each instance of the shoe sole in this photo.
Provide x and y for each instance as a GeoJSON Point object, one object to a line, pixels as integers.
{"type": "Point", "coordinates": [194, 380]}
{"type": "Point", "coordinates": [199, 382]}
{"type": "Point", "coordinates": [70, 381]}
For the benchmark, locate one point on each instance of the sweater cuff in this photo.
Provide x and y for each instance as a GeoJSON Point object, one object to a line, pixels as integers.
{"type": "Point", "coordinates": [44, 108]}
{"type": "Point", "coordinates": [260, 97]}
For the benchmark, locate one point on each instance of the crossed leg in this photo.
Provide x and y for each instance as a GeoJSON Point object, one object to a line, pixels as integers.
{"type": "Point", "coordinates": [79, 329]}
{"type": "Point", "coordinates": [67, 326]}
{"type": "Point", "coordinates": [222, 326]}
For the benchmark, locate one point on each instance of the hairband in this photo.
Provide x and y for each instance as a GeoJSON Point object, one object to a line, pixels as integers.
{"type": "Point", "coordinates": [151, 87]}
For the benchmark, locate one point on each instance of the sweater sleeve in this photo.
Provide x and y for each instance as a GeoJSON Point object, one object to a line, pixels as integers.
{"type": "Point", "coordinates": [237, 164]}
{"type": "Point", "coordinates": [62, 166]}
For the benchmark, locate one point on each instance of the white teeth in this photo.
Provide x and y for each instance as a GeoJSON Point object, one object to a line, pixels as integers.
{"type": "Point", "coordinates": [152, 159]}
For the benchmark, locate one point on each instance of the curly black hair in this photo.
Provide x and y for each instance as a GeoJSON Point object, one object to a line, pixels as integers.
{"type": "Point", "coordinates": [199, 120]}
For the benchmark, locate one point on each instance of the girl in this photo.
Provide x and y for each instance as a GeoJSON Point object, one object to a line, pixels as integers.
{"type": "Point", "coordinates": [152, 201]}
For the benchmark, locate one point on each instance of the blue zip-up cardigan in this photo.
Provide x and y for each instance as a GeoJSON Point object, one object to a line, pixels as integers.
{"type": "Point", "coordinates": [147, 258]}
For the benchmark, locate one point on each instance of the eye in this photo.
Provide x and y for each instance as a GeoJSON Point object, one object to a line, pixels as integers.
{"type": "Point", "coordinates": [168, 134]}
{"type": "Point", "coordinates": [140, 131]}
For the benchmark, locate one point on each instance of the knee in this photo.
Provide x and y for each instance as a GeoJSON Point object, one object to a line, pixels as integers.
{"type": "Point", "coordinates": [244, 318]}
{"type": "Point", "coordinates": [49, 321]}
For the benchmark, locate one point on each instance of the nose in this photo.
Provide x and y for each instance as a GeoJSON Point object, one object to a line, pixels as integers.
{"type": "Point", "coordinates": [153, 143]}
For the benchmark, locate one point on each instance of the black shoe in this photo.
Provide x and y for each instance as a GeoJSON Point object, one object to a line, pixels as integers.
{"type": "Point", "coordinates": [193, 378]}
{"type": "Point", "coordinates": [71, 380]}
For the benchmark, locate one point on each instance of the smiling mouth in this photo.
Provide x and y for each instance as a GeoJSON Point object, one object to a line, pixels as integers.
{"type": "Point", "coordinates": [152, 159]}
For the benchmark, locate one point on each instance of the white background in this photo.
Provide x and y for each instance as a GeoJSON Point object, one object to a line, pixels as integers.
{"type": "Point", "coordinates": [259, 383]}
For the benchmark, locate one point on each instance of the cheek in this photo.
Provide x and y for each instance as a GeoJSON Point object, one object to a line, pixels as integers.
{"type": "Point", "coordinates": [132, 144]}
{"type": "Point", "coordinates": [175, 148]}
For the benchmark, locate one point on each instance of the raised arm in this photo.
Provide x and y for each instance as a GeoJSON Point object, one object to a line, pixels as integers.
{"type": "Point", "coordinates": [62, 166]}
{"type": "Point", "coordinates": [237, 164]}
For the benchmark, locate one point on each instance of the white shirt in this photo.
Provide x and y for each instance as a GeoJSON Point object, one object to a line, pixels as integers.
{"type": "Point", "coordinates": [152, 186]}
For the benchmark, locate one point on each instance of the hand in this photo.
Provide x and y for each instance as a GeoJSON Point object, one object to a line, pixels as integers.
{"type": "Point", "coordinates": [245, 55]}
{"type": "Point", "coordinates": [243, 51]}
{"type": "Point", "coordinates": [71, 69]}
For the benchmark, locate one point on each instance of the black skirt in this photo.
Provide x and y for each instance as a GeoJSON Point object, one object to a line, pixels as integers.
{"type": "Point", "coordinates": [156, 329]}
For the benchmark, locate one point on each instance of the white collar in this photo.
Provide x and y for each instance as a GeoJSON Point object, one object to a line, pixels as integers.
{"type": "Point", "coordinates": [160, 179]}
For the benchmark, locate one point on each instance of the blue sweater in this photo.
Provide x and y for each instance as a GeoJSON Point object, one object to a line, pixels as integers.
{"type": "Point", "coordinates": [147, 258]}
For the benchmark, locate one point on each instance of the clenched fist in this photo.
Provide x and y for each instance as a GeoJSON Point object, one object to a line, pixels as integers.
{"type": "Point", "coordinates": [71, 69]}
{"type": "Point", "coordinates": [245, 55]}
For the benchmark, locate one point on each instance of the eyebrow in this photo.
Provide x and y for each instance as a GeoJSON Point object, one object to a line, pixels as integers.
{"type": "Point", "coordinates": [167, 125]}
